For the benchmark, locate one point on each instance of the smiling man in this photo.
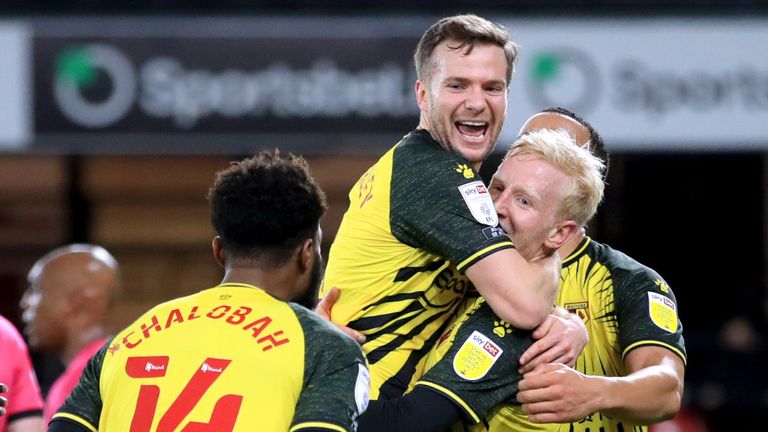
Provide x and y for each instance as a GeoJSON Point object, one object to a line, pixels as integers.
{"type": "Point", "coordinates": [421, 228]}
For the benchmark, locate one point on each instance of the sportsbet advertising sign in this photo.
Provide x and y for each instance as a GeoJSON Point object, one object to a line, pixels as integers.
{"type": "Point", "coordinates": [346, 84]}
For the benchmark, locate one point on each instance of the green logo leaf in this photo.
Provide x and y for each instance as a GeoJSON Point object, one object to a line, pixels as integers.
{"type": "Point", "coordinates": [545, 67]}
{"type": "Point", "coordinates": [73, 64]}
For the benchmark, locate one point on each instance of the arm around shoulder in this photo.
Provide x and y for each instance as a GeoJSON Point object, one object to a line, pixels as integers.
{"type": "Point", "coordinates": [521, 292]}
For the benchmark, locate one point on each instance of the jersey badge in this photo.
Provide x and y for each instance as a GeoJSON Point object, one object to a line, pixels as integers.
{"type": "Point", "coordinates": [362, 388]}
{"type": "Point", "coordinates": [465, 170]}
{"type": "Point", "coordinates": [581, 309]}
{"type": "Point", "coordinates": [479, 201]}
{"type": "Point", "coordinates": [663, 311]}
{"type": "Point", "coordinates": [476, 357]}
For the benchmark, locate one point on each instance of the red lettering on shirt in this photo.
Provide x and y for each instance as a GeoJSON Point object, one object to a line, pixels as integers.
{"type": "Point", "coordinates": [273, 342]}
{"type": "Point", "coordinates": [174, 316]}
{"type": "Point", "coordinates": [238, 315]}
{"type": "Point", "coordinates": [154, 325]}
{"type": "Point", "coordinates": [215, 315]}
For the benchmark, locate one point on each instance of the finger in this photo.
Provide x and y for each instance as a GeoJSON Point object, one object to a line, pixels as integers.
{"type": "Point", "coordinates": [325, 305]}
{"type": "Point", "coordinates": [543, 329]}
{"type": "Point", "coordinates": [534, 397]}
{"type": "Point", "coordinates": [545, 418]}
{"type": "Point", "coordinates": [354, 334]}
{"type": "Point", "coordinates": [530, 355]}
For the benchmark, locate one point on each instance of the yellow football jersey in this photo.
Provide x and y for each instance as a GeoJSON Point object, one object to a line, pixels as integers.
{"type": "Point", "coordinates": [230, 358]}
{"type": "Point", "coordinates": [417, 219]}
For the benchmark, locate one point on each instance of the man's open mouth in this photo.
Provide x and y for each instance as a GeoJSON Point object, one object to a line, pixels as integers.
{"type": "Point", "coordinates": [472, 130]}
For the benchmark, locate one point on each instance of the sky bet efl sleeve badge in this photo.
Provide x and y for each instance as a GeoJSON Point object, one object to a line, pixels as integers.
{"type": "Point", "coordinates": [663, 311]}
{"type": "Point", "coordinates": [476, 357]}
{"type": "Point", "coordinates": [479, 202]}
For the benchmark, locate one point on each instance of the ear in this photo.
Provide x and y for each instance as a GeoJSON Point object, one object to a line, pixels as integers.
{"type": "Point", "coordinates": [218, 253]}
{"type": "Point", "coordinates": [422, 96]}
{"type": "Point", "coordinates": [560, 234]}
{"type": "Point", "coordinates": [306, 255]}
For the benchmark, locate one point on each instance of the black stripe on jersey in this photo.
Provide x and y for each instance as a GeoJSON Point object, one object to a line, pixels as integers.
{"type": "Point", "coordinates": [395, 298]}
{"type": "Point", "coordinates": [380, 352]}
{"type": "Point", "coordinates": [373, 322]}
{"type": "Point", "coordinates": [406, 273]}
{"type": "Point", "coordinates": [397, 384]}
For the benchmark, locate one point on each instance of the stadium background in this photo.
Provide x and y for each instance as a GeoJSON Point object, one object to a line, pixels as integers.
{"type": "Point", "coordinates": [688, 135]}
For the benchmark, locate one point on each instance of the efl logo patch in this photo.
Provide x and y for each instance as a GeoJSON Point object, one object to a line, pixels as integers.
{"type": "Point", "coordinates": [476, 357]}
{"type": "Point", "coordinates": [663, 311]}
{"type": "Point", "coordinates": [479, 202]}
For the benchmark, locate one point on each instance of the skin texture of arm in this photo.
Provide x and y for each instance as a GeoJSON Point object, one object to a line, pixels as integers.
{"type": "Point", "coordinates": [520, 292]}
{"type": "Point", "coordinates": [651, 392]}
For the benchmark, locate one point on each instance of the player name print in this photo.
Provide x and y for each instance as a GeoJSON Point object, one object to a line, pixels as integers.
{"type": "Point", "coordinates": [259, 328]}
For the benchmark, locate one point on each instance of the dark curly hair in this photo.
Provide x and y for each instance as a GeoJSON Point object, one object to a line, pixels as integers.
{"type": "Point", "coordinates": [597, 147]}
{"type": "Point", "coordinates": [264, 206]}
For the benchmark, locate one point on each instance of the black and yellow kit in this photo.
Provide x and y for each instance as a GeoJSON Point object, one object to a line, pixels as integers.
{"type": "Point", "coordinates": [475, 363]}
{"type": "Point", "coordinates": [230, 358]}
{"type": "Point", "coordinates": [623, 304]}
{"type": "Point", "coordinates": [417, 219]}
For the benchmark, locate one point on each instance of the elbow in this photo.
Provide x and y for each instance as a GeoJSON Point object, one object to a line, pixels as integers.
{"type": "Point", "coordinates": [526, 317]}
{"type": "Point", "coordinates": [671, 402]}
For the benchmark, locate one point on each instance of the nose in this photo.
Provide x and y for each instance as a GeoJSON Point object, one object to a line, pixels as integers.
{"type": "Point", "coordinates": [475, 100]}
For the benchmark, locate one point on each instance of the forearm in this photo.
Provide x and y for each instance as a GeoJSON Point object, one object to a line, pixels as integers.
{"type": "Point", "coordinates": [519, 292]}
{"type": "Point", "coordinates": [650, 395]}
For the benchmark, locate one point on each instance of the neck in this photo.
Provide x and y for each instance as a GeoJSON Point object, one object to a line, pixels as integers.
{"type": "Point", "coordinates": [82, 339]}
{"type": "Point", "coordinates": [570, 246]}
{"type": "Point", "coordinates": [280, 282]}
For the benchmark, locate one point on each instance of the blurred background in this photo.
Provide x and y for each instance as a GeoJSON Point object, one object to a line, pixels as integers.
{"type": "Point", "coordinates": [114, 116]}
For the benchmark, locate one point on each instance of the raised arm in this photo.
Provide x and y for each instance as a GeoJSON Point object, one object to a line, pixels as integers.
{"type": "Point", "coordinates": [521, 292]}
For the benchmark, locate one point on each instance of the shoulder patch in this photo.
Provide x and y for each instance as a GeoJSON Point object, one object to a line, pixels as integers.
{"type": "Point", "coordinates": [362, 388]}
{"type": "Point", "coordinates": [479, 201]}
{"type": "Point", "coordinates": [476, 357]}
{"type": "Point", "coordinates": [663, 311]}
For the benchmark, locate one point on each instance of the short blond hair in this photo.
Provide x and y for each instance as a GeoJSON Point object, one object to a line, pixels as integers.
{"type": "Point", "coordinates": [585, 192]}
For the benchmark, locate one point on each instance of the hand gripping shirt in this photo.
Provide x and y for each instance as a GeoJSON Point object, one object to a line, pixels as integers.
{"type": "Point", "coordinates": [417, 219]}
{"type": "Point", "coordinates": [230, 358]}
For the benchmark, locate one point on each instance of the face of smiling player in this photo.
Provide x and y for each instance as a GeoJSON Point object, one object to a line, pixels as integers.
{"type": "Point", "coordinates": [464, 102]}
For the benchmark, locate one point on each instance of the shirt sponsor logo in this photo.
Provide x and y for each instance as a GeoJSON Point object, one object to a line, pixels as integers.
{"type": "Point", "coordinates": [479, 201]}
{"type": "Point", "coordinates": [208, 368]}
{"type": "Point", "coordinates": [476, 357]}
{"type": "Point", "coordinates": [146, 367]}
{"type": "Point", "coordinates": [663, 311]}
